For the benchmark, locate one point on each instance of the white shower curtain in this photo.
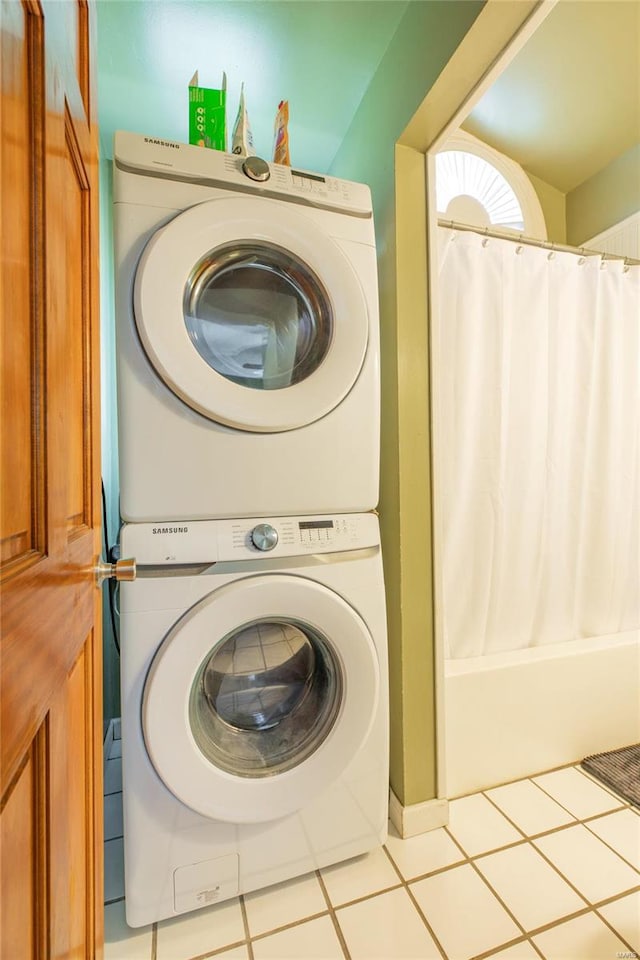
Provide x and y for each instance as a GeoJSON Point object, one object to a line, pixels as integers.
{"type": "Point", "coordinates": [538, 370]}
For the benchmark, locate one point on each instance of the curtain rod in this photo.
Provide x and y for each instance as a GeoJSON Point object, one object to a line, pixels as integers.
{"type": "Point", "coordinates": [532, 242]}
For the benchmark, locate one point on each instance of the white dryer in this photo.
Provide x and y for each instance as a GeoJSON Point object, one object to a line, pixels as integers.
{"type": "Point", "coordinates": [247, 336]}
{"type": "Point", "coordinates": [254, 705]}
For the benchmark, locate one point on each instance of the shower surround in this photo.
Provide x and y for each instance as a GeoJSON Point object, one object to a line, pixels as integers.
{"type": "Point", "coordinates": [536, 378]}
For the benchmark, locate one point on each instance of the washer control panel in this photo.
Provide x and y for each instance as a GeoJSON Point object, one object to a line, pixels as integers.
{"type": "Point", "coordinates": [211, 541]}
{"type": "Point", "coordinates": [293, 536]}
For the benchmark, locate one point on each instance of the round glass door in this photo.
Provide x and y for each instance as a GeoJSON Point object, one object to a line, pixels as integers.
{"type": "Point", "coordinates": [259, 697]}
{"type": "Point", "coordinates": [251, 314]}
{"type": "Point", "coordinates": [265, 698]}
{"type": "Point", "coordinates": [258, 316]}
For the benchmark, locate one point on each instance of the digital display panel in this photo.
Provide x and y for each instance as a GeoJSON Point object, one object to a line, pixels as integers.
{"type": "Point", "coordinates": [309, 176]}
{"type": "Point", "coordinates": [315, 524]}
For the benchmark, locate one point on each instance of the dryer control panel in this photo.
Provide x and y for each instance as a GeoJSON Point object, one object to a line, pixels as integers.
{"type": "Point", "coordinates": [212, 541]}
{"type": "Point", "coordinates": [135, 153]}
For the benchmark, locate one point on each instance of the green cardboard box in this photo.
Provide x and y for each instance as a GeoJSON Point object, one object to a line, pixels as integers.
{"type": "Point", "coordinates": [207, 115]}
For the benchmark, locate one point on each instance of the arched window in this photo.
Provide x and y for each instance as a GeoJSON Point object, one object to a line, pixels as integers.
{"type": "Point", "coordinates": [477, 185]}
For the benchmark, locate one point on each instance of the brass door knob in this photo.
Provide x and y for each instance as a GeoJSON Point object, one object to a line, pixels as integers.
{"type": "Point", "coordinates": [121, 570]}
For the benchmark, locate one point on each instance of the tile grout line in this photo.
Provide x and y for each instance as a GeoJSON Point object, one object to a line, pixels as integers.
{"type": "Point", "coordinates": [589, 908]}
{"type": "Point", "coordinates": [608, 845]}
{"type": "Point", "coordinates": [218, 950]}
{"type": "Point", "coordinates": [557, 870]}
{"type": "Point", "coordinates": [467, 856]}
{"type": "Point", "coordinates": [560, 804]}
{"type": "Point", "coordinates": [528, 836]}
{"type": "Point", "coordinates": [604, 786]}
{"type": "Point", "coordinates": [618, 934]}
{"type": "Point", "coordinates": [525, 934]}
{"type": "Point", "coordinates": [495, 951]}
{"type": "Point", "coordinates": [227, 946]}
{"type": "Point", "coordinates": [583, 896]}
{"type": "Point", "coordinates": [332, 914]}
{"type": "Point", "coordinates": [499, 899]}
{"type": "Point", "coordinates": [455, 841]}
{"type": "Point", "coordinates": [288, 926]}
{"type": "Point", "coordinates": [536, 931]}
{"type": "Point", "coordinates": [245, 923]}
{"type": "Point", "coordinates": [415, 903]}
{"type": "Point", "coordinates": [526, 840]}
{"type": "Point", "coordinates": [508, 783]}
{"type": "Point", "coordinates": [366, 896]}
{"type": "Point", "coordinates": [470, 857]}
{"type": "Point", "coordinates": [618, 896]}
{"type": "Point", "coordinates": [541, 773]}
{"type": "Point", "coordinates": [505, 815]}
{"type": "Point", "coordinates": [627, 943]}
{"type": "Point", "coordinates": [577, 821]}
{"type": "Point", "coordinates": [439, 870]}
{"type": "Point", "coordinates": [447, 830]}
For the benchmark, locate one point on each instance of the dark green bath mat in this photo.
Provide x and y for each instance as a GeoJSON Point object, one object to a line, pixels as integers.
{"type": "Point", "coordinates": [618, 769]}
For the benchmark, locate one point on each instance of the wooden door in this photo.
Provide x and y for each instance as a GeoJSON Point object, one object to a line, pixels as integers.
{"type": "Point", "coordinates": [51, 681]}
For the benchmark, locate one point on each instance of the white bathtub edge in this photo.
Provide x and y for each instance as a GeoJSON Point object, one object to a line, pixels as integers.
{"type": "Point", "coordinates": [551, 651]}
{"type": "Point", "coordinates": [517, 717]}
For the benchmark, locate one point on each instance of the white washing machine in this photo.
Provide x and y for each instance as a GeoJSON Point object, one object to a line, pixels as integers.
{"type": "Point", "coordinates": [247, 336]}
{"type": "Point", "coordinates": [254, 705]}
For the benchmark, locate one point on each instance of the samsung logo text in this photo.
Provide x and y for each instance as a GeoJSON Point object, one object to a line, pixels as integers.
{"type": "Point", "coordinates": [162, 143]}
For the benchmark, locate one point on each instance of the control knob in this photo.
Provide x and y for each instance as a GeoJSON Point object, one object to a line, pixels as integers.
{"type": "Point", "coordinates": [256, 169]}
{"type": "Point", "coordinates": [264, 537]}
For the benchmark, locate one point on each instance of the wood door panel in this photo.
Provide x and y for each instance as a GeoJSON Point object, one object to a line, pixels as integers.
{"type": "Point", "coordinates": [71, 758]}
{"type": "Point", "coordinates": [75, 370]}
{"type": "Point", "coordinates": [23, 840]}
{"type": "Point", "coordinates": [22, 437]}
{"type": "Point", "coordinates": [16, 321]}
{"type": "Point", "coordinates": [19, 837]}
{"type": "Point", "coordinates": [27, 647]}
{"type": "Point", "coordinates": [50, 646]}
{"type": "Point", "coordinates": [83, 62]}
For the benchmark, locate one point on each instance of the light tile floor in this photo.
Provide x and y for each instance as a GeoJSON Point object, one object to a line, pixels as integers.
{"type": "Point", "coordinates": [545, 867]}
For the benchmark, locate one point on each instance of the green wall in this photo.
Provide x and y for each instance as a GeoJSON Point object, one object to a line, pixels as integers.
{"type": "Point", "coordinates": [611, 195]}
{"type": "Point", "coordinates": [425, 39]}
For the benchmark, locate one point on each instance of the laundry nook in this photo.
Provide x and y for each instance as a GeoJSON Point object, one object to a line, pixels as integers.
{"type": "Point", "coordinates": [320, 509]}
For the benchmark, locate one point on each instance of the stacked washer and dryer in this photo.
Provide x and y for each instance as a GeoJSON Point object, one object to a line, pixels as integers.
{"type": "Point", "coordinates": [253, 641]}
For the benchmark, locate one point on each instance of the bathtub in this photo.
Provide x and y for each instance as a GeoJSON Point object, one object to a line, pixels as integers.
{"type": "Point", "coordinates": [515, 714]}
